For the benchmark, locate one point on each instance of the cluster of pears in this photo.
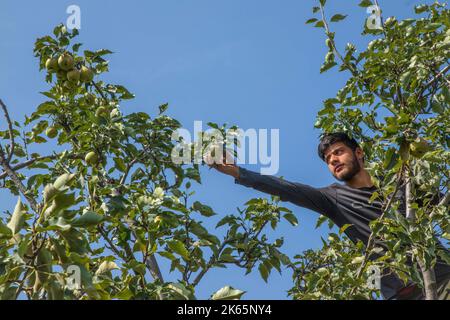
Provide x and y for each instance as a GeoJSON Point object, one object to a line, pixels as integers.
{"type": "Point", "coordinates": [67, 72]}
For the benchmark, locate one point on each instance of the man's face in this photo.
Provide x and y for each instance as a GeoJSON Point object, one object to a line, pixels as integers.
{"type": "Point", "coordinates": [342, 161]}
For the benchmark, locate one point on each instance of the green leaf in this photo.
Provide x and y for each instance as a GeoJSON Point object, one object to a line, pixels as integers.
{"type": "Point", "coordinates": [5, 231]}
{"type": "Point", "coordinates": [320, 221]}
{"type": "Point", "coordinates": [420, 8]}
{"type": "Point", "coordinates": [87, 220]}
{"type": "Point", "coordinates": [18, 218]}
{"type": "Point", "coordinates": [319, 24]}
{"type": "Point", "coordinates": [344, 227]}
{"type": "Point", "coordinates": [63, 180]}
{"type": "Point", "coordinates": [263, 271]}
{"type": "Point", "coordinates": [205, 210]}
{"type": "Point", "coordinates": [181, 290]}
{"type": "Point", "coordinates": [56, 224]}
{"type": "Point", "coordinates": [227, 293]}
{"type": "Point", "coordinates": [312, 20]}
{"type": "Point", "coordinates": [365, 3]}
{"type": "Point", "coordinates": [178, 247]}
{"type": "Point", "coordinates": [338, 17]}
{"type": "Point", "coordinates": [163, 108]}
{"type": "Point", "coordinates": [291, 218]}
{"type": "Point", "coordinates": [106, 266]}
{"type": "Point", "coordinates": [120, 164]}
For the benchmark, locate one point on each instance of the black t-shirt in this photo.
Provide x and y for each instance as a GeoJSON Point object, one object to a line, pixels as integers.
{"type": "Point", "coordinates": [343, 205]}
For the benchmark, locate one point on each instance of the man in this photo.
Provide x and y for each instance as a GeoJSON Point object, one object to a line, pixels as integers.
{"type": "Point", "coordinates": [346, 203]}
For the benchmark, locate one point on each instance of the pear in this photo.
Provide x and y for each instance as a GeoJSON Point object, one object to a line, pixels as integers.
{"type": "Point", "coordinates": [52, 65]}
{"type": "Point", "coordinates": [51, 132]}
{"type": "Point", "coordinates": [86, 75]}
{"type": "Point", "coordinates": [73, 76]}
{"type": "Point", "coordinates": [66, 62]}
{"type": "Point", "coordinates": [91, 158]}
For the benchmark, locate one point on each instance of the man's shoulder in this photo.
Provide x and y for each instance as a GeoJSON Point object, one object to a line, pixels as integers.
{"type": "Point", "coordinates": [333, 186]}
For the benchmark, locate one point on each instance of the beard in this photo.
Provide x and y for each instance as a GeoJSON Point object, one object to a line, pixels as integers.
{"type": "Point", "coordinates": [352, 169]}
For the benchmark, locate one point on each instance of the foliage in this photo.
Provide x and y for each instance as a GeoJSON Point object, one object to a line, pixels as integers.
{"type": "Point", "coordinates": [111, 202]}
{"type": "Point", "coordinates": [396, 102]}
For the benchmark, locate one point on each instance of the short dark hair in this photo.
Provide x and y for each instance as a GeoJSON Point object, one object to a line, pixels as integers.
{"type": "Point", "coordinates": [328, 139]}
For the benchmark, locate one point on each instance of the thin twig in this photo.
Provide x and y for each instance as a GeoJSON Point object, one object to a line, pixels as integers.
{"type": "Point", "coordinates": [32, 161]}
{"type": "Point", "coordinates": [10, 129]}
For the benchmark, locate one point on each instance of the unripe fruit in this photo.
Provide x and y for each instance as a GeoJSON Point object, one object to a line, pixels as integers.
{"type": "Point", "coordinates": [91, 158]}
{"type": "Point", "coordinates": [87, 75]}
{"type": "Point", "coordinates": [329, 43]}
{"type": "Point", "coordinates": [73, 76]}
{"type": "Point", "coordinates": [66, 62]}
{"type": "Point", "coordinates": [51, 132]}
{"type": "Point", "coordinates": [52, 65]}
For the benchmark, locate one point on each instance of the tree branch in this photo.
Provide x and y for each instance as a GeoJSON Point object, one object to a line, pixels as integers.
{"type": "Point", "coordinates": [436, 77]}
{"type": "Point", "coordinates": [10, 129]}
{"type": "Point", "coordinates": [429, 277]}
{"type": "Point", "coordinates": [31, 161]}
{"type": "Point", "coordinates": [445, 201]}
{"type": "Point", "coordinates": [15, 179]}
{"type": "Point", "coordinates": [371, 240]}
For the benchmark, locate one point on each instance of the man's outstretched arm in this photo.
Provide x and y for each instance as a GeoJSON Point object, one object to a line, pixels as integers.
{"type": "Point", "coordinates": [319, 200]}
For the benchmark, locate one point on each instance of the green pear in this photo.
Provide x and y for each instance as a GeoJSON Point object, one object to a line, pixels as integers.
{"type": "Point", "coordinates": [66, 62]}
{"type": "Point", "coordinates": [51, 132]}
{"type": "Point", "coordinates": [86, 75]}
{"type": "Point", "coordinates": [91, 158]}
{"type": "Point", "coordinates": [73, 76]}
{"type": "Point", "coordinates": [52, 65]}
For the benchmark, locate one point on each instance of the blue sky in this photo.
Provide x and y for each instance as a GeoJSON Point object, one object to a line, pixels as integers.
{"type": "Point", "coordinates": [251, 63]}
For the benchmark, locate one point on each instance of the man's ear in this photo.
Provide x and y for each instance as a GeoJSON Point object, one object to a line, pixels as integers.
{"type": "Point", "coordinates": [359, 153]}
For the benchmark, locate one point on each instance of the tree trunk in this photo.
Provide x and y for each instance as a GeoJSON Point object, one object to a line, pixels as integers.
{"type": "Point", "coordinates": [428, 275]}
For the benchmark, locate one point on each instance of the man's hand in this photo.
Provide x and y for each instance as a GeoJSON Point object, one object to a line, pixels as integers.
{"type": "Point", "coordinates": [225, 165]}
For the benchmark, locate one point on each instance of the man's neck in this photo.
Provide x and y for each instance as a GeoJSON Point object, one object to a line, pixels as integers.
{"type": "Point", "coordinates": [361, 180]}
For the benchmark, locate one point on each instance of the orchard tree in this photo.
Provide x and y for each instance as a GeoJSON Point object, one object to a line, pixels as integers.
{"type": "Point", "coordinates": [94, 218]}
{"type": "Point", "coordinates": [396, 102]}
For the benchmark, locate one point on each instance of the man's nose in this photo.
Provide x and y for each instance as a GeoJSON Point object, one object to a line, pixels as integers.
{"type": "Point", "coordinates": [334, 160]}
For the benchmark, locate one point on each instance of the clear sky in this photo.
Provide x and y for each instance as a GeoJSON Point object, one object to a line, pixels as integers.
{"type": "Point", "coordinates": [253, 63]}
